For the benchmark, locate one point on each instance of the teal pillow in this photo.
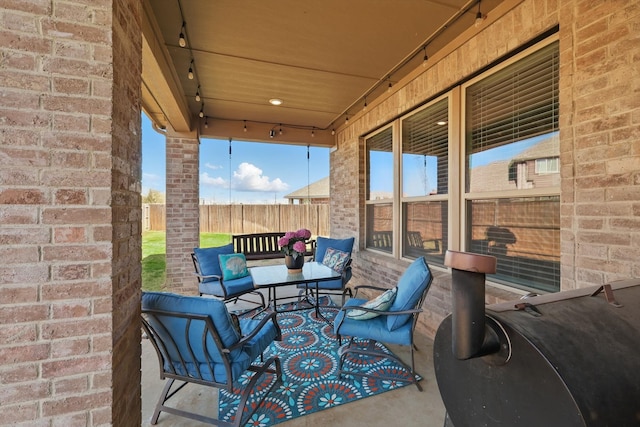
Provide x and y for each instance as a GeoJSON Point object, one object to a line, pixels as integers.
{"type": "Point", "coordinates": [208, 260]}
{"type": "Point", "coordinates": [411, 286]}
{"type": "Point", "coordinates": [336, 259]}
{"type": "Point", "coordinates": [233, 266]}
{"type": "Point", "coordinates": [382, 302]}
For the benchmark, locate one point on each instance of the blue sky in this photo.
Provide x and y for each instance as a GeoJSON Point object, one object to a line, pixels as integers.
{"type": "Point", "coordinates": [258, 172]}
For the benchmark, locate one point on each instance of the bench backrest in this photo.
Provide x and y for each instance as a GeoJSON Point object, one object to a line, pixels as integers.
{"type": "Point", "coordinates": [262, 245]}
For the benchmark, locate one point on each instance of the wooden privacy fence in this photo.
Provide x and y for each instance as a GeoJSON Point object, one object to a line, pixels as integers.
{"type": "Point", "coordinates": [245, 219]}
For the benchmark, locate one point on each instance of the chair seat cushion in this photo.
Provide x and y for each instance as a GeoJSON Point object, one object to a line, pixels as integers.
{"type": "Point", "coordinates": [209, 262]}
{"type": "Point", "coordinates": [375, 328]}
{"type": "Point", "coordinates": [235, 287]}
{"type": "Point", "coordinates": [333, 285]}
{"type": "Point", "coordinates": [381, 302]}
{"type": "Point", "coordinates": [256, 345]}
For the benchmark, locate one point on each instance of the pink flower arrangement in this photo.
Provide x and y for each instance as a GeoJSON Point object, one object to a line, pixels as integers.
{"type": "Point", "coordinates": [294, 242]}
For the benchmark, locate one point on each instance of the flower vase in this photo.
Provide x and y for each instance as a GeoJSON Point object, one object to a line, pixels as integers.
{"type": "Point", "coordinates": [294, 264]}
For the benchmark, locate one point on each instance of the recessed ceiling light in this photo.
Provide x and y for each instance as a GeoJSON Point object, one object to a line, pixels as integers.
{"type": "Point", "coordinates": [275, 101]}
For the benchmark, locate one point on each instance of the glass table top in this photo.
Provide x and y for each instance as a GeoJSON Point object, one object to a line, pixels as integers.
{"type": "Point", "coordinates": [274, 275]}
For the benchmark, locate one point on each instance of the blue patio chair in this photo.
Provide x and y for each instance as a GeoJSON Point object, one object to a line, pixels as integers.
{"type": "Point", "coordinates": [211, 280]}
{"type": "Point", "coordinates": [337, 286]}
{"type": "Point", "coordinates": [197, 342]}
{"type": "Point", "coordinates": [390, 318]}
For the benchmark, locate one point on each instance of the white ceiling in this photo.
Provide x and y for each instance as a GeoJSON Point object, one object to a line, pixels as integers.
{"type": "Point", "coordinates": [322, 58]}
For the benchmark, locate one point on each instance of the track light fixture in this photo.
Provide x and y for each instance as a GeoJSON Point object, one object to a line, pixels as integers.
{"type": "Point", "coordinates": [198, 94]}
{"type": "Point", "coordinates": [190, 73]}
{"type": "Point", "coordinates": [479, 17]}
{"type": "Point", "coordinates": [182, 42]}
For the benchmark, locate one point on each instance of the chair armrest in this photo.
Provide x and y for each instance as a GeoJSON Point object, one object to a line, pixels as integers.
{"type": "Point", "coordinates": [209, 276]}
{"type": "Point", "coordinates": [270, 317]}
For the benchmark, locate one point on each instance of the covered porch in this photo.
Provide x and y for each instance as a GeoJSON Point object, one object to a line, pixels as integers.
{"type": "Point", "coordinates": [76, 76]}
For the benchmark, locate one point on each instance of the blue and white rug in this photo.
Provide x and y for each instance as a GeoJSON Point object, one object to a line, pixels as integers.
{"type": "Point", "coordinates": [309, 355]}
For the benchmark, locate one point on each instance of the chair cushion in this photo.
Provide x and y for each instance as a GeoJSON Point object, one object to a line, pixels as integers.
{"type": "Point", "coordinates": [233, 266]}
{"type": "Point", "coordinates": [336, 259]}
{"type": "Point", "coordinates": [195, 305]}
{"type": "Point", "coordinates": [209, 262]}
{"type": "Point", "coordinates": [324, 243]}
{"type": "Point", "coordinates": [382, 302]}
{"type": "Point", "coordinates": [412, 284]}
{"type": "Point", "coordinates": [375, 328]}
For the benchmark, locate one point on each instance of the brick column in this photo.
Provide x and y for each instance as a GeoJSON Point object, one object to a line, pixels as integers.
{"type": "Point", "coordinates": [183, 216]}
{"type": "Point", "coordinates": [70, 150]}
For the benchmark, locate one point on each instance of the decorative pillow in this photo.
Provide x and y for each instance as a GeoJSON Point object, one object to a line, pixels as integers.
{"type": "Point", "coordinates": [382, 302]}
{"type": "Point", "coordinates": [233, 266]}
{"type": "Point", "coordinates": [336, 259]}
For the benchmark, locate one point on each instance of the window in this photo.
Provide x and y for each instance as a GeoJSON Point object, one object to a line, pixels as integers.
{"type": "Point", "coordinates": [477, 170]}
{"type": "Point", "coordinates": [379, 192]}
{"type": "Point", "coordinates": [511, 170]}
{"type": "Point", "coordinates": [425, 180]}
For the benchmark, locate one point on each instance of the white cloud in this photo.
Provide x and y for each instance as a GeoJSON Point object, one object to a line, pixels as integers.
{"type": "Point", "coordinates": [249, 177]}
{"type": "Point", "coordinates": [207, 180]}
{"type": "Point", "coordinates": [214, 167]}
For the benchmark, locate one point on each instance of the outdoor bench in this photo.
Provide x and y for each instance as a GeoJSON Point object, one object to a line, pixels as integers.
{"type": "Point", "coordinates": [259, 246]}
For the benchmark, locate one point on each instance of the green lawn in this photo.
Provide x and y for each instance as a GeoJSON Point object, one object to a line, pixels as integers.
{"type": "Point", "coordinates": [153, 256]}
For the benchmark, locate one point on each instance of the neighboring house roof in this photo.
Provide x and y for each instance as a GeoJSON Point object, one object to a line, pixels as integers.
{"type": "Point", "coordinates": [315, 190]}
{"type": "Point", "coordinates": [548, 147]}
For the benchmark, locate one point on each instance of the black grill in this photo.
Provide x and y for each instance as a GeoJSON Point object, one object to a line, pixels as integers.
{"type": "Point", "coordinates": [564, 359]}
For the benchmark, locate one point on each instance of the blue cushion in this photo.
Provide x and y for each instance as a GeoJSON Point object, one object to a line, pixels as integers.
{"type": "Point", "coordinates": [375, 328]}
{"type": "Point", "coordinates": [233, 287]}
{"type": "Point", "coordinates": [382, 302]}
{"type": "Point", "coordinates": [233, 266]}
{"type": "Point", "coordinates": [240, 358]}
{"type": "Point", "coordinates": [194, 305]}
{"type": "Point", "coordinates": [413, 282]}
{"type": "Point", "coordinates": [209, 262]}
{"type": "Point", "coordinates": [323, 243]}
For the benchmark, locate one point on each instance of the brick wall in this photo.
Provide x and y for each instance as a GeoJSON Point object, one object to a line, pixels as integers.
{"type": "Point", "coordinates": [599, 132]}
{"type": "Point", "coordinates": [183, 229]}
{"type": "Point", "coordinates": [69, 213]}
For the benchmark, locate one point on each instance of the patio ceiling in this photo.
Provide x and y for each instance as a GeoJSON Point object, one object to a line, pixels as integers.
{"type": "Point", "coordinates": [323, 59]}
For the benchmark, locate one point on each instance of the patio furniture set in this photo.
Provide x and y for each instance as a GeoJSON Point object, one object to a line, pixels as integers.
{"type": "Point", "coordinates": [197, 339]}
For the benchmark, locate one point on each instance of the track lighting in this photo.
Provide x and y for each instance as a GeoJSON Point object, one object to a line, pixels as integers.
{"type": "Point", "coordinates": [190, 74]}
{"type": "Point", "coordinates": [181, 40]}
{"type": "Point", "coordinates": [479, 17]}
{"type": "Point", "coordinates": [198, 94]}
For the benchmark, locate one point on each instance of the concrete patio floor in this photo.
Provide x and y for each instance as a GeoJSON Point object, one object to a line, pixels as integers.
{"type": "Point", "coordinates": [402, 407]}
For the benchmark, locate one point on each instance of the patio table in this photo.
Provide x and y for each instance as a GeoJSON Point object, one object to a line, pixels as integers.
{"type": "Point", "coordinates": [275, 276]}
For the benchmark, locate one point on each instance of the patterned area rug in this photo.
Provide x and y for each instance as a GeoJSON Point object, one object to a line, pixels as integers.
{"type": "Point", "coordinates": [309, 355]}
